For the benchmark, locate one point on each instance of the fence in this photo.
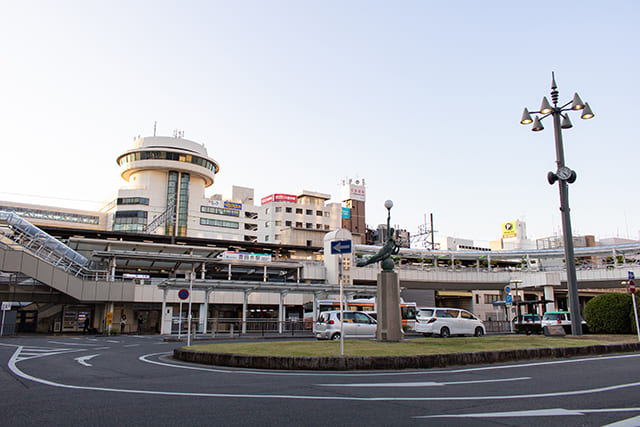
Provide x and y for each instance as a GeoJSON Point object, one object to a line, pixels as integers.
{"type": "Point", "coordinates": [497, 326]}
{"type": "Point", "coordinates": [234, 327]}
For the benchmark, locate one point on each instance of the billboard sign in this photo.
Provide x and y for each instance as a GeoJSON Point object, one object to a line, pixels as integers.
{"type": "Point", "coordinates": [233, 205]}
{"type": "Point", "coordinates": [279, 198]}
{"type": "Point", "coordinates": [346, 213]}
{"type": "Point", "coordinates": [353, 190]}
{"type": "Point", "coordinates": [509, 229]}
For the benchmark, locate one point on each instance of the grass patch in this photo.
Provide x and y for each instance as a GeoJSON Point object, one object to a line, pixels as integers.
{"type": "Point", "coordinates": [409, 347]}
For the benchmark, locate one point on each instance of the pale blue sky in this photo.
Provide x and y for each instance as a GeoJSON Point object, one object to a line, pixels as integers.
{"type": "Point", "coordinates": [421, 98]}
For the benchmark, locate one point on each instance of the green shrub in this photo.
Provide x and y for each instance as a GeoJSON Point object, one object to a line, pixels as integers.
{"type": "Point", "coordinates": [609, 314]}
{"type": "Point", "coordinates": [632, 315]}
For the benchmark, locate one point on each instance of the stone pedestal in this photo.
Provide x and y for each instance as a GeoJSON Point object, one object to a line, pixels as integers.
{"type": "Point", "coordinates": [388, 308]}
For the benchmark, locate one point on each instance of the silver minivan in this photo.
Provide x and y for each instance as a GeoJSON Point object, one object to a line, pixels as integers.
{"type": "Point", "coordinates": [357, 324]}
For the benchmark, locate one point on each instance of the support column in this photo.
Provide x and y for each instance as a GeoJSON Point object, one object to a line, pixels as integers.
{"type": "Point", "coordinates": [229, 273]}
{"type": "Point", "coordinates": [281, 313]}
{"type": "Point", "coordinates": [548, 295]}
{"type": "Point", "coordinates": [389, 316]}
{"type": "Point", "coordinates": [203, 270]}
{"type": "Point", "coordinates": [163, 314]}
{"type": "Point", "coordinates": [112, 269]}
{"type": "Point", "coordinates": [207, 296]}
{"type": "Point", "coordinates": [108, 309]}
{"type": "Point", "coordinates": [264, 274]}
{"type": "Point", "coordinates": [245, 298]}
{"type": "Point", "coordinates": [314, 312]}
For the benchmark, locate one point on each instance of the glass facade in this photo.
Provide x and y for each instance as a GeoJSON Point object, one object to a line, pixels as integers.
{"type": "Point", "coordinates": [133, 201]}
{"type": "Point", "coordinates": [51, 215]}
{"type": "Point", "coordinates": [219, 223]}
{"type": "Point", "coordinates": [178, 199]}
{"type": "Point", "coordinates": [168, 155]}
{"type": "Point", "coordinates": [130, 221]}
{"type": "Point", "coordinates": [219, 211]}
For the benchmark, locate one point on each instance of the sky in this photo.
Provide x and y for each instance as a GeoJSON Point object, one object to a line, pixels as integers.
{"type": "Point", "coordinates": [422, 99]}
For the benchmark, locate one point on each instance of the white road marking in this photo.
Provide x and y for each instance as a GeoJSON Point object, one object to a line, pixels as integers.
{"type": "Point", "coordinates": [71, 343]}
{"type": "Point", "coordinates": [83, 360]}
{"type": "Point", "coordinates": [552, 412]}
{"type": "Point", "coordinates": [425, 384]}
{"type": "Point", "coordinates": [131, 345]}
{"type": "Point", "coordinates": [629, 422]}
{"type": "Point", "coordinates": [12, 364]}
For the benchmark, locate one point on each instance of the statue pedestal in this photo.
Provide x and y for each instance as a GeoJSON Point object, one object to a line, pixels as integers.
{"type": "Point", "coordinates": [388, 308]}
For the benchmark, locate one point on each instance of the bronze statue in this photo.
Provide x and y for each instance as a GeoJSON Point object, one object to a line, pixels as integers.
{"type": "Point", "coordinates": [389, 248]}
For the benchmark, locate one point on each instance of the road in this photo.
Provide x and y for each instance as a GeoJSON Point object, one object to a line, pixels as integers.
{"type": "Point", "coordinates": [120, 381]}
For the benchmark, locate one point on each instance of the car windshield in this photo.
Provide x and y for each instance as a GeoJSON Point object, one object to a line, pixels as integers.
{"type": "Point", "coordinates": [551, 316]}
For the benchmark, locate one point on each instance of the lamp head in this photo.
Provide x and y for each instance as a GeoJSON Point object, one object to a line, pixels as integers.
{"type": "Point", "coordinates": [587, 113]}
{"type": "Point", "coordinates": [577, 103]}
{"type": "Point", "coordinates": [566, 123]}
{"type": "Point", "coordinates": [545, 107]}
{"type": "Point", "coordinates": [537, 125]}
{"type": "Point", "coordinates": [526, 117]}
{"type": "Point", "coordinates": [388, 204]}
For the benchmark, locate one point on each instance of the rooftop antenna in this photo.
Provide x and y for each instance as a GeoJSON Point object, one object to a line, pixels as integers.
{"type": "Point", "coordinates": [154, 128]}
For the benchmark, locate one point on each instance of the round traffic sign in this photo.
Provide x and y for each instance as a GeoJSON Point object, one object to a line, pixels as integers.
{"type": "Point", "coordinates": [183, 293]}
{"type": "Point", "coordinates": [507, 289]}
{"type": "Point", "coordinates": [632, 286]}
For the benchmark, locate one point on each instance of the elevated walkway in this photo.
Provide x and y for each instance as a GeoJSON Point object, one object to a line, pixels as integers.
{"type": "Point", "coordinates": [27, 250]}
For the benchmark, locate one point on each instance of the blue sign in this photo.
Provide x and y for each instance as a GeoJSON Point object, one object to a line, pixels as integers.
{"type": "Point", "coordinates": [341, 247]}
{"type": "Point", "coordinates": [346, 213]}
{"type": "Point", "coordinates": [631, 275]}
{"type": "Point", "coordinates": [183, 293]}
{"type": "Point", "coordinates": [508, 299]}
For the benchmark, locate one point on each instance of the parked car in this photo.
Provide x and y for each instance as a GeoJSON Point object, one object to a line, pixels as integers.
{"type": "Point", "coordinates": [561, 318]}
{"type": "Point", "coordinates": [448, 321]}
{"type": "Point", "coordinates": [357, 324]}
{"type": "Point", "coordinates": [527, 324]}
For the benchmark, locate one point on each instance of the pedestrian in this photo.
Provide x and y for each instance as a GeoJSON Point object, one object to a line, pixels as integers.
{"type": "Point", "coordinates": [140, 323]}
{"type": "Point", "coordinates": [123, 322]}
{"type": "Point", "coordinates": [87, 324]}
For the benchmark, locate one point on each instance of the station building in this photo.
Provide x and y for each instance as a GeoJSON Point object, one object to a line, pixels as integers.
{"type": "Point", "coordinates": [161, 232]}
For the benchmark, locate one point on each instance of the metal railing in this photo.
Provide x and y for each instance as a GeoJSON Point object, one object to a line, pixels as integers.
{"type": "Point", "coordinates": [40, 244]}
{"type": "Point", "coordinates": [221, 327]}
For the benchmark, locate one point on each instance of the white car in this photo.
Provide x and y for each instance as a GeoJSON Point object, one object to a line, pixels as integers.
{"type": "Point", "coordinates": [357, 324]}
{"type": "Point", "coordinates": [445, 322]}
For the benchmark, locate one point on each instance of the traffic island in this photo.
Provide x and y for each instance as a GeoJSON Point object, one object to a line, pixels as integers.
{"type": "Point", "coordinates": [348, 363]}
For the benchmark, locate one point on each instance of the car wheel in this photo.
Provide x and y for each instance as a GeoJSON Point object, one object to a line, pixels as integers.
{"type": "Point", "coordinates": [445, 332]}
{"type": "Point", "coordinates": [479, 332]}
{"type": "Point", "coordinates": [336, 336]}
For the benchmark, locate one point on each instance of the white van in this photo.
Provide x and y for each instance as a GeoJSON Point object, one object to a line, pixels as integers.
{"type": "Point", "coordinates": [445, 322]}
{"type": "Point", "coordinates": [357, 324]}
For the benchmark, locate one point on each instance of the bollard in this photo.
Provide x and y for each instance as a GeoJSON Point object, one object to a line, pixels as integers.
{"type": "Point", "coordinates": [231, 330]}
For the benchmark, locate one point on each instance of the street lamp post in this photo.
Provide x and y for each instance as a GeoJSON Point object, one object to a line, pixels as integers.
{"type": "Point", "coordinates": [564, 176]}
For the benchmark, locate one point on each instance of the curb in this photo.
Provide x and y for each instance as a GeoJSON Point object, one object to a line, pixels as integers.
{"type": "Point", "coordinates": [347, 363]}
